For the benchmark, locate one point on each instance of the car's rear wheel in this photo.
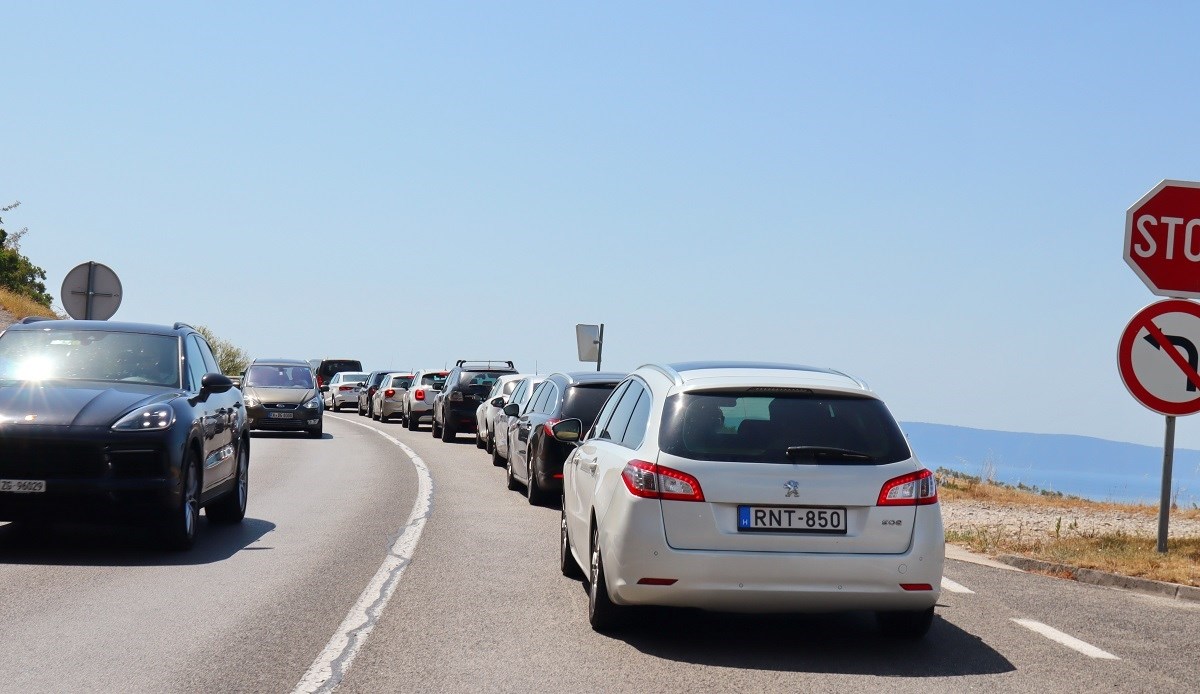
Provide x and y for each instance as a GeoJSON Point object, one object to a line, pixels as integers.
{"type": "Point", "coordinates": [434, 428]}
{"type": "Point", "coordinates": [566, 560]}
{"type": "Point", "coordinates": [413, 421]}
{"type": "Point", "coordinates": [497, 459]}
{"type": "Point", "coordinates": [603, 613]}
{"type": "Point", "coordinates": [448, 433]}
{"type": "Point", "coordinates": [231, 508]}
{"type": "Point", "coordinates": [533, 492]}
{"type": "Point", "coordinates": [336, 406]}
{"type": "Point", "coordinates": [905, 625]}
{"type": "Point", "coordinates": [381, 415]}
{"type": "Point", "coordinates": [179, 531]}
{"type": "Point", "coordinates": [509, 478]}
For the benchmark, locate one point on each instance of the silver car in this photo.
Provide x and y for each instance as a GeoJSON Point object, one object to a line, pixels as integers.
{"type": "Point", "coordinates": [388, 398]}
{"type": "Point", "coordinates": [485, 414]}
{"type": "Point", "coordinates": [418, 399]}
{"type": "Point", "coordinates": [521, 396]}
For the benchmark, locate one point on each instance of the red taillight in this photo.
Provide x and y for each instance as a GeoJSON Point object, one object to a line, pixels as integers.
{"type": "Point", "coordinates": [916, 586]}
{"type": "Point", "coordinates": [320, 381]}
{"type": "Point", "coordinates": [345, 387]}
{"type": "Point", "coordinates": [389, 392]}
{"type": "Point", "coordinates": [657, 581]}
{"type": "Point", "coordinates": [651, 481]}
{"type": "Point", "coordinates": [914, 489]}
{"type": "Point", "coordinates": [419, 394]}
{"type": "Point", "coordinates": [548, 427]}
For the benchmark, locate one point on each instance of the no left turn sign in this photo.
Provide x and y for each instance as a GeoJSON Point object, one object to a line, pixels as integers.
{"type": "Point", "coordinates": [1158, 357]}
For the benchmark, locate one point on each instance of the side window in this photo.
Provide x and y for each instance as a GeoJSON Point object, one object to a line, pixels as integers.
{"type": "Point", "coordinates": [539, 397]}
{"type": "Point", "coordinates": [615, 429]}
{"type": "Point", "coordinates": [636, 430]}
{"type": "Point", "coordinates": [519, 392]}
{"type": "Point", "coordinates": [547, 406]}
{"type": "Point", "coordinates": [210, 362]}
{"type": "Point", "coordinates": [606, 412]}
{"type": "Point", "coordinates": [195, 363]}
{"type": "Point", "coordinates": [451, 379]}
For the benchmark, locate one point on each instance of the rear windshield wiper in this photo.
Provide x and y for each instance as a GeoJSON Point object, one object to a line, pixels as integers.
{"type": "Point", "coordinates": [825, 453]}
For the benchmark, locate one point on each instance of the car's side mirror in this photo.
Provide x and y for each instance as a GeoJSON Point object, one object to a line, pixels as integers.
{"type": "Point", "coordinates": [215, 383]}
{"type": "Point", "coordinates": [567, 431]}
{"type": "Point", "coordinates": [512, 409]}
{"type": "Point", "coordinates": [237, 382]}
{"type": "Point", "coordinates": [498, 401]}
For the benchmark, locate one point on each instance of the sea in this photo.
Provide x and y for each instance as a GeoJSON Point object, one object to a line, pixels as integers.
{"type": "Point", "coordinates": [1082, 466]}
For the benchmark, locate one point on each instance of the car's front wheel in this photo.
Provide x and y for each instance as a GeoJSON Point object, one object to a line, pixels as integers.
{"type": "Point", "coordinates": [479, 442]}
{"type": "Point", "coordinates": [566, 560]}
{"type": "Point", "coordinates": [361, 411]}
{"type": "Point", "coordinates": [905, 625]}
{"type": "Point", "coordinates": [448, 433]}
{"type": "Point", "coordinates": [179, 531]}
{"type": "Point", "coordinates": [603, 614]}
{"type": "Point", "coordinates": [509, 478]}
{"type": "Point", "coordinates": [434, 428]}
{"type": "Point", "coordinates": [497, 459]}
{"type": "Point", "coordinates": [231, 508]}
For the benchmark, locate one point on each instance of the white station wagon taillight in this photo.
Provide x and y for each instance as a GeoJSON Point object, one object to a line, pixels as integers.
{"type": "Point", "coordinates": [914, 489]}
{"type": "Point", "coordinates": [651, 481]}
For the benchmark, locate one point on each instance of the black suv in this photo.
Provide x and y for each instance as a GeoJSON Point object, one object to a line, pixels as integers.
{"type": "Point", "coordinates": [106, 420]}
{"type": "Point", "coordinates": [467, 384]}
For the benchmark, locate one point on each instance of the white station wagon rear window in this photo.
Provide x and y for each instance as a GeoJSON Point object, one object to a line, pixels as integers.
{"type": "Point", "coordinates": [782, 427]}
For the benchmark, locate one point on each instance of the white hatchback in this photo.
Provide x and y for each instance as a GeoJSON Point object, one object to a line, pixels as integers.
{"type": "Point", "coordinates": [749, 487]}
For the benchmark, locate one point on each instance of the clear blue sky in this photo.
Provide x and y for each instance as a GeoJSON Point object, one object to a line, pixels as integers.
{"type": "Point", "coordinates": [928, 195]}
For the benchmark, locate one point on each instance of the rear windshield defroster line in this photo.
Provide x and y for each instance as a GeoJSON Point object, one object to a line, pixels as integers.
{"type": "Point", "coordinates": [753, 425]}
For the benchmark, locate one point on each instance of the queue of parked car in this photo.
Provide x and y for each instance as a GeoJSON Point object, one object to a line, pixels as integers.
{"type": "Point", "coordinates": [735, 486]}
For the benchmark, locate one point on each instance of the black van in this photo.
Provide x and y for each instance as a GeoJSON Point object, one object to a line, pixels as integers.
{"type": "Point", "coordinates": [326, 368]}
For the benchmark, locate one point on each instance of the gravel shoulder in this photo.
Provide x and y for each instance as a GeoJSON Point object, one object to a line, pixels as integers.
{"type": "Point", "coordinates": [967, 514]}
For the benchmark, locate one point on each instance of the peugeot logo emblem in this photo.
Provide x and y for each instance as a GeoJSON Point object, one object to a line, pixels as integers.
{"type": "Point", "coordinates": [792, 487]}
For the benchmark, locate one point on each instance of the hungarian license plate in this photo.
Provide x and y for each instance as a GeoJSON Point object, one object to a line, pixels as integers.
{"type": "Point", "coordinates": [23, 486]}
{"type": "Point", "coordinates": [791, 519]}
{"type": "Point", "coordinates": [281, 415]}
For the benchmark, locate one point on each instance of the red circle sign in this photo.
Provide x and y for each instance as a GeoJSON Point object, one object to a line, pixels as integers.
{"type": "Point", "coordinates": [1159, 357]}
{"type": "Point", "coordinates": [1162, 239]}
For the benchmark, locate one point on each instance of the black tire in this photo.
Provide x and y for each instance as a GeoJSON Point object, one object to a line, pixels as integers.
{"type": "Point", "coordinates": [231, 508]}
{"type": "Point", "coordinates": [434, 428]}
{"type": "Point", "coordinates": [497, 460]}
{"type": "Point", "coordinates": [533, 493]}
{"type": "Point", "coordinates": [513, 484]}
{"type": "Point", "coordinates": [318, 432]}
{"type": "Point", "coordinates": [179, 529]}
{"type": "Point", "coordinates": [448, 433]}
{"type": "Point", "coordinates": [479, 442]}
{"type": "Point", "coordinates": [382, 417]}
{"type": "Point", "coordinates": [413, 422]}
{"type": "Point", "coordinates": [603, 614]}
{"type": "Point", "coordinates": [566, 560]}
{"type": "Point", "coordinates": [910, 626]}
{"type": "Point", "coordinates": [360, 408]}
{"type": "Point", "coordinates": [336, 406]}
{"type": "Point", "coordinates": [489, 441]}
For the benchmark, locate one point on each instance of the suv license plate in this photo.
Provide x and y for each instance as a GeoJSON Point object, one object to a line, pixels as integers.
{"type": "Point", "coordinates": [23, 486]}
{"type": "Point", "coordinates": [791, 519]}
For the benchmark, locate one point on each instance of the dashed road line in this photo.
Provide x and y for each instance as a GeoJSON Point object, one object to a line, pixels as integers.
{"type": "Point", "coordinates": [1066, 639]}
{"type": "Point", "coordinates": [327, 671]}
{"type": "Point", "coordinates": [953, 587]}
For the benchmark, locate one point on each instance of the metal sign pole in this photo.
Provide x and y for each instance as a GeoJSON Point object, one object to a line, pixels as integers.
{"type": "Point", "coordinates": [1164, 508]}
{"type": "Point", "coordinates": [600, 347]}
{"type": "Point", "coordinates": [91, 290]}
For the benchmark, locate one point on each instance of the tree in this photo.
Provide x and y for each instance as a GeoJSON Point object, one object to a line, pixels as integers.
{"type": "Point", "coordinates": [17, 274]}
{"type": "Point", "coordinates": [232, 359]}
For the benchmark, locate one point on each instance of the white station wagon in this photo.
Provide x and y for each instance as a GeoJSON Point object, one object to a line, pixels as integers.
{"type": "Point", "coordinates": [749, 487]}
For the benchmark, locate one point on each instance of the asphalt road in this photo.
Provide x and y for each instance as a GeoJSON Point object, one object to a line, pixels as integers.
{"type": "Point", "coordinates": [481, 606]}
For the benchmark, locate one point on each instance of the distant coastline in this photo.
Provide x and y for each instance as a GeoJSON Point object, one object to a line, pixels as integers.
{"type": "Point", "coordinates": [1083, 466]}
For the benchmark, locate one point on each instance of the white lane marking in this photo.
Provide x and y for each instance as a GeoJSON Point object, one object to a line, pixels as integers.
{"type": "Point", "coordinates": [953, 587]}
{"type": "Point", "coordinates": [331, 665]}
{"type": "Point", "coordinates": [1065, 639]}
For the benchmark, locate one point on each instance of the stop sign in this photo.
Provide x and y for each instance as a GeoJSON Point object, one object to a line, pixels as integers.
{"type": "Point", "coordinates": [1162, 239]}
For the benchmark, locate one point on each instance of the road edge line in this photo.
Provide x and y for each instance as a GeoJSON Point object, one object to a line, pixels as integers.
{"type": "Point", "coordinates": [334, 661]}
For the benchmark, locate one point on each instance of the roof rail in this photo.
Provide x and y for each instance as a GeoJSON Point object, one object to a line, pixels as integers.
{"type": "Point", "coordinates": [666, 371]}
{"type": "Point", "coordinates": [487, 363]}
{"type": "Point", "coordinates": [181, 324]}
{"type": "Point", "coordinates": [35, 319]}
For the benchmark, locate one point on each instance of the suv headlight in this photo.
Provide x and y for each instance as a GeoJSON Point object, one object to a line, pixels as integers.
{"type": "Point", "coordinates": [148, 418]}
{"type": "Point", "coordinates": [252, 401]}
{"type": "Point", "coordinates": [314, 404]}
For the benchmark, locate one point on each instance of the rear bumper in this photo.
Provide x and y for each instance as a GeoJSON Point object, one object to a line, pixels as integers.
{"type": "Point", "coordinates": [634, 547]}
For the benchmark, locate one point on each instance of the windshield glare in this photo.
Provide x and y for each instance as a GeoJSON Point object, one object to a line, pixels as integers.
{"type": "Point", "coordinates": [760, 427]}
{"type": "Point", "coordinates": [267, 376]}
{"type": "Point", "coordinates": [90, 355]}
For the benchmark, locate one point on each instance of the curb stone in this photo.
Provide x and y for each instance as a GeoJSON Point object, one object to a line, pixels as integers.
{"type": "Point", "coordinates": [1104, 578]}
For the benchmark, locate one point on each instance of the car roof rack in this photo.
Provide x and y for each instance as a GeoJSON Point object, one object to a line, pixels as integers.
{"type": "Point", "coordinates": [35, 319]}
{"type": "Point", "coordinates": [482, 363]}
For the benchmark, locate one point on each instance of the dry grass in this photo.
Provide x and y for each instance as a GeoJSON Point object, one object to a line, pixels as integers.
{"type": "Point", "coordinates": [1119, 552]}
{"type": "Point", "coordinates": [19, 306]}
